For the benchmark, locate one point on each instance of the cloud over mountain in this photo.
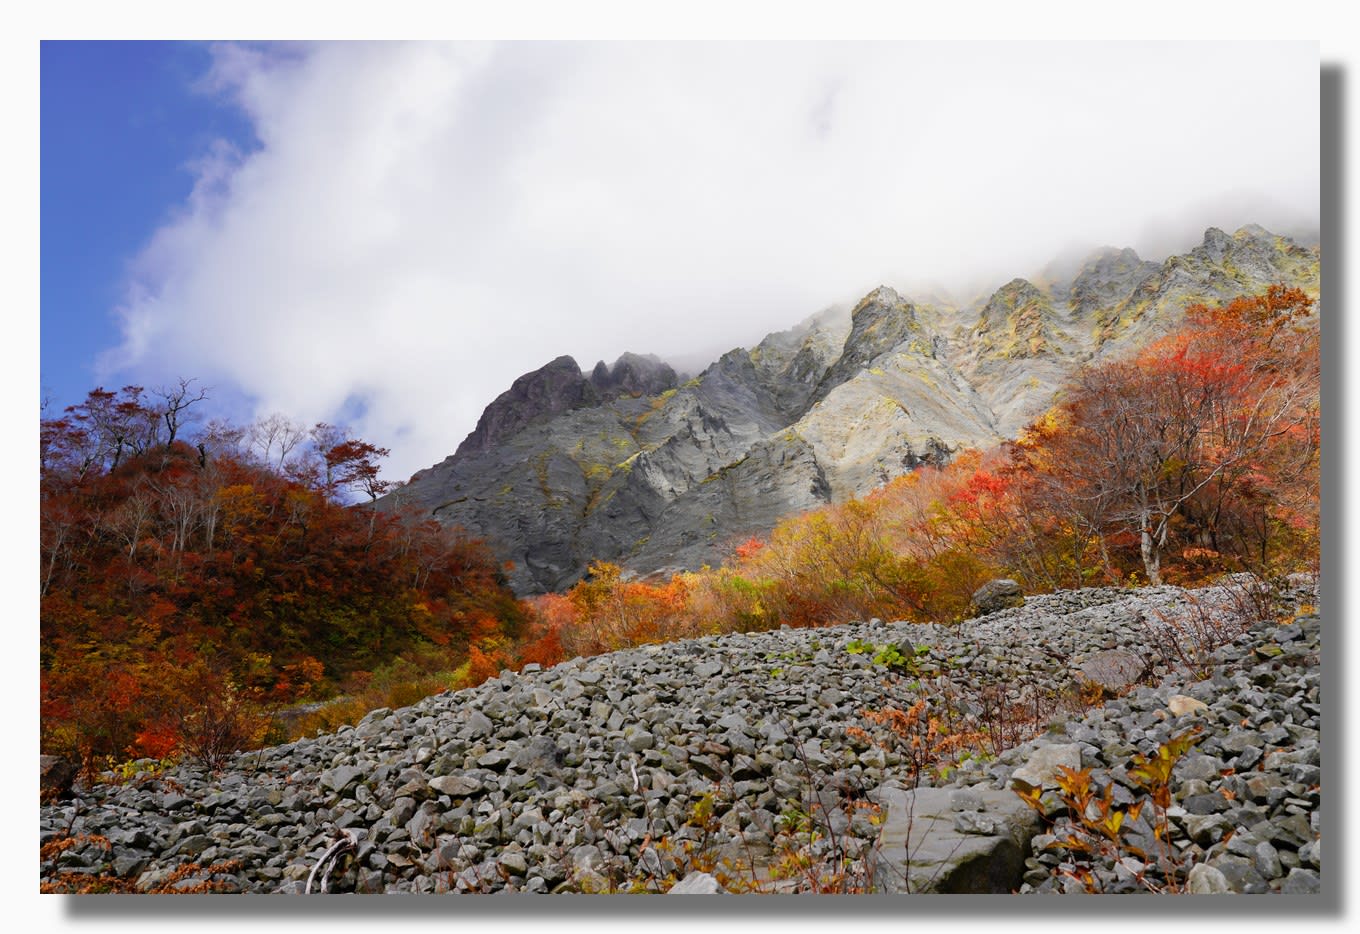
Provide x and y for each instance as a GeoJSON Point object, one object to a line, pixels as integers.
{"type": "Point", "coordinates": [417, 224]}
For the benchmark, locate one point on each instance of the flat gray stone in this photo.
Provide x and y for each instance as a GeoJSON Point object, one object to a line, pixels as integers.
{"type": "Point", "coordinates": [341, 777]}
{"type": "Point", "coordinates": [1114, 670]}
{"type": "Point", "coordinates": [456, 786]}
{"type": "Point", "coordinates": [1206, 880]}
{"type": "Point", "coordinates": [697, 883]}
{"type": "Point", "coordinates": [479, 724]}
{"type": "Point", "coordinates": [1301, 882]}
{"type": "Point", "coordinates": [1041, 768]}
{"type": "Point", "coordinates": [922, 849]}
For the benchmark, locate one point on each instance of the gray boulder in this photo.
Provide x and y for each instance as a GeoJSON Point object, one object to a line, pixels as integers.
{"type": "Point", "coordinates": [1000, 594]}
{"type": "Point", "coordinates": [1041, 768]}
{"type": "Point", "coordinates": [1206, 880]}
{"type": "Point", "coordinates": [936, 840]}
{"type": "Point", "coordinates": [1114, 670]}
{"type": "Point", "coordinates": [56, 776]}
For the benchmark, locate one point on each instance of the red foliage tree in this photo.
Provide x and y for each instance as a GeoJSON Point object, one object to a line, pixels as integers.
{"type": "Point", "coordinates": [161, 557]}
{"type": "Point", "coordinates": [1185, 429]}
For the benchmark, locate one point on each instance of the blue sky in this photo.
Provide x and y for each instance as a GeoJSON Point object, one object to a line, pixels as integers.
{"type": "Point", "coordinates": [385, 235]}
{"type": "Point", "coordinates": [121, 125]}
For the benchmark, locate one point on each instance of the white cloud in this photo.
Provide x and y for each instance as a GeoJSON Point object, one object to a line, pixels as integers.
{"type": "Point", "coordinates": [421, 223]}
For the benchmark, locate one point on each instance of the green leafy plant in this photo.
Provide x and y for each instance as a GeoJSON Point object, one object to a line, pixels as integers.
{"type": "Point", "coordinates": [889, 655]}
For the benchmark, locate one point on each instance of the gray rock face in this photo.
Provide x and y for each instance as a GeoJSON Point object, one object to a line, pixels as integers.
{"type": "Point", "coordinates": [778, 477]}
{"type": "Point", "coordinates": [1021, 349]}
{"type": "Point", "coordinates": [594, 481]}
{"type": "Point", "coordinates": [1105, 279]}
{"type": "Point", "coordinates": [625, 465]}
{"type": "Point", "coordinates": [555, 388]}
{"type": "Point", "coordinates": [1222, 267]}
{"type": "Point", "coordinates": [634, 375]}
{"type": "Point", "coordinates": [559, 387]}
{"type": "Point", "coordinates": [882, 322]}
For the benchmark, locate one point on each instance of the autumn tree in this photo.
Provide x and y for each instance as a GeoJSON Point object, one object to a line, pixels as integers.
{"type": "Point", "coordinates": [167, 550]}
{"type": "Point", "coordinates": [175, 404]}
{"type": "Point", "coordinates": [274, 438]}
{"type": "Point", "coordinates": [1265, 509]}
{"type": "Point", "coordinates": [613, 611]}
{"type": "Point", "coordinates": [1064, 529]}
{"type": "Point", "coordinates": [353, 465]}
{"type": "Point", "coordinates": [1136, 443]}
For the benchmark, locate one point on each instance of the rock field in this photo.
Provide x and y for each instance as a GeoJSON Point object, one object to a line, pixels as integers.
{"type": "Point", "coordinates": [597, 774]}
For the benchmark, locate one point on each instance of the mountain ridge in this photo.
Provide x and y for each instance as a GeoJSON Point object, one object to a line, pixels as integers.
{"type": "Point", "coordinates": [632, 466]}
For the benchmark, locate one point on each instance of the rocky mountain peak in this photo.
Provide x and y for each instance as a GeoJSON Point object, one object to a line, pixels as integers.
{"type": "Point", "coordinates": [1015, 322]}
{"type": "Point", "coordinates": [1108, 262]}
{"type": "Point", "coordinates": [878, 318]}
{"type": "Point", "coordinates": [1220, 268]}
{"type": "Point", "coordinates": [634, 374]}
{"type": "Point", "coordinates": [881, 322]}
{"type": "Point", "coordinates": [1259, 252]}
{"type": "Point", "coordinates": [1216, 244]}
{"type": "Point", "coordinates": [1247, 241]}
{"type": "Point", "coordinates": [550, 390]}
{"type": "Point", "coordinates": [1225, 265]}
{"type": "Point", "coordinates": [882, 297]}
{"type": "Point", "coordinates": [1014, 294]}
{"type": "Point", "coordinates": [1105, 277]}
{"type": "Point", "coordinates": [558, 387]}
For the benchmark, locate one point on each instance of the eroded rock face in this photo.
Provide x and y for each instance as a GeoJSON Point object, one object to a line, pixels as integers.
{"type": "Point", "coordinates": [559, 387]}
{"type": "Point", "coordinates": [1106, 278]}
{"type": "Point", "coordinates": [633, 374]}
{"type": "Point", "coordinates": [551, 390]}
{"type": "Point", "coordinates": [628, 465]}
